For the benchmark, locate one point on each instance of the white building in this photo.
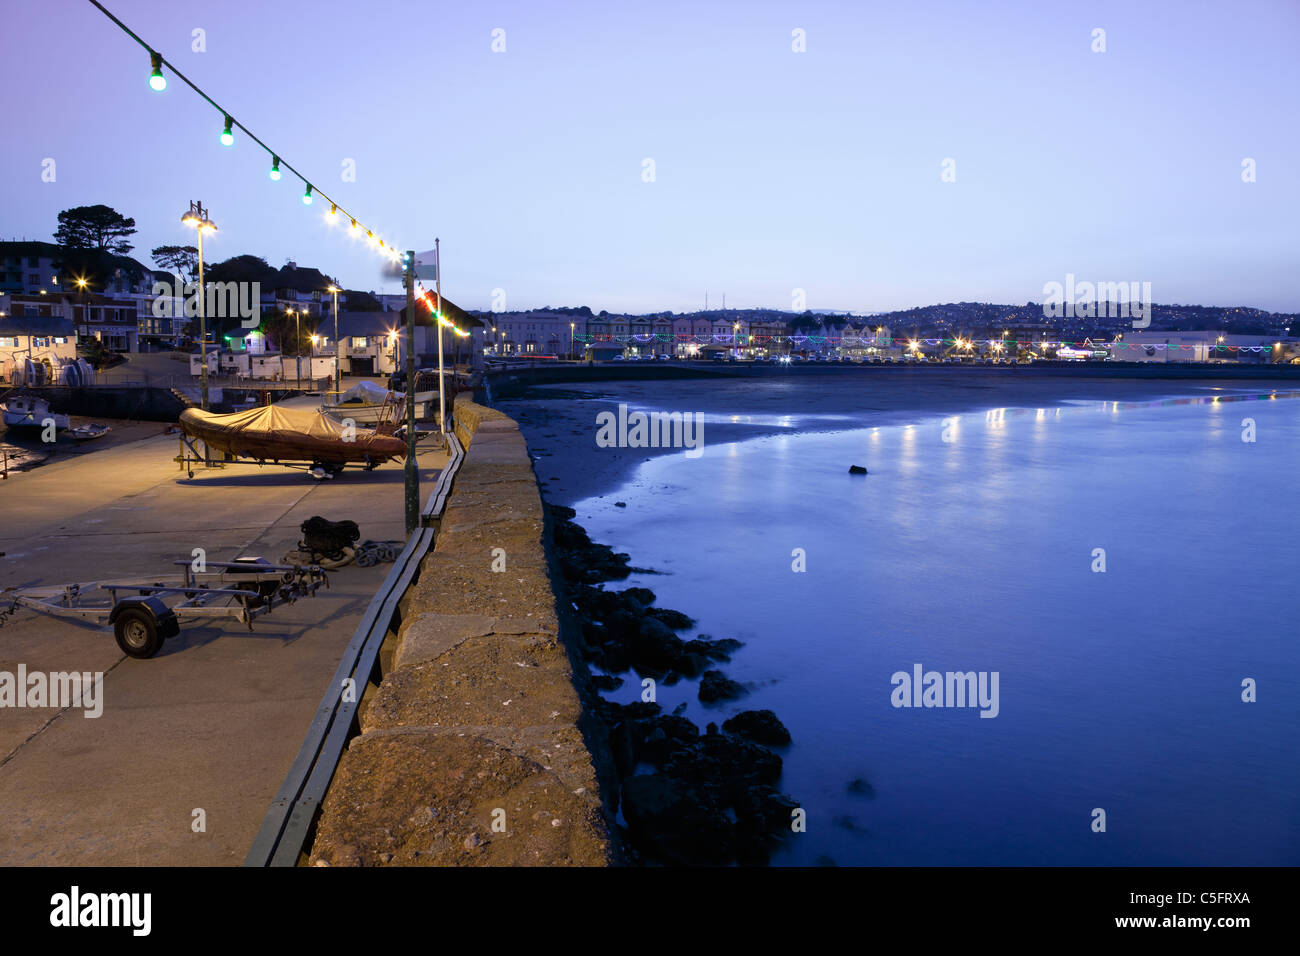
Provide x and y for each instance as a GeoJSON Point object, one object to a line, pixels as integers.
{"type": "Point", "coordinates": [368, 342]}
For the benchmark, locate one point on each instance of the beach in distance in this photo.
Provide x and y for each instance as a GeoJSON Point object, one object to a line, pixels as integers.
{"type": "Point", "coordinates": [560, 421]}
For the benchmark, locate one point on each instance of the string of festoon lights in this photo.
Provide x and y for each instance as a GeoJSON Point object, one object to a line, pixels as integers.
{"type": "Point", "coordinates": [278, 165]}
{"type": "Point", "coordinates": [707, 338]}
{"type": "Point", "coordinates": [428, 297]}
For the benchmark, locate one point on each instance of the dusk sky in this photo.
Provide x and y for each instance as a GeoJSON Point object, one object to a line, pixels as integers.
{"type": "Point", "coordinates": [774, 170]}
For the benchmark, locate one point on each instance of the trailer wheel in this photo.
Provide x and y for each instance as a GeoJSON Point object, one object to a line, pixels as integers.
{"type": "Point", "coordinates": [137, 632]}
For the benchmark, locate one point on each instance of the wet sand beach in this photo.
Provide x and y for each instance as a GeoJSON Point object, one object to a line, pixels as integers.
{"type": "Point", "coordinates": [559, 421]}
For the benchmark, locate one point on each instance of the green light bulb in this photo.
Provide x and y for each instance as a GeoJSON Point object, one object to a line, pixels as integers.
{"type": "Point", "coordinates": [157, 82]}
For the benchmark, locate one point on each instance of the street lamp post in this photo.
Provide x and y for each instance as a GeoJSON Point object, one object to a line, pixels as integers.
{"type": "Point", "coordinates": [338, 376]}
{"type": "Point", "coordinates": [297, 344]}
{"type": "Point", "coordinates": [85, 308]}
{"type": "Point", "coordinates": [571, 327]}
{"type": "Point", "coordinates": [197, 217]}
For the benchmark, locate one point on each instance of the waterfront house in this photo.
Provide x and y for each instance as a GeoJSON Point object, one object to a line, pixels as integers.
{"type": "Point", "coordinates": [39, 331]}
{"type": "Point", "coordinates": [367, 342]}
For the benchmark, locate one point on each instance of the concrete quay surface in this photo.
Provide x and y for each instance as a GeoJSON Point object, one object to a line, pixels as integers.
{"type": "Point", "coordinates": [472, 750]}
{"type": "Point", "coordinates": [213, 722]}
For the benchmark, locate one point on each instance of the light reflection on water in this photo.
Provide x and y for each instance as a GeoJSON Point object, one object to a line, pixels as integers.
{"type": "Point", "coordinates": [1119, 690]}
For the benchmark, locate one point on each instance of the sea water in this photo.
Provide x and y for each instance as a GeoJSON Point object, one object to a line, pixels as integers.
{"type": "Point", "coordinates": [1127, 570]}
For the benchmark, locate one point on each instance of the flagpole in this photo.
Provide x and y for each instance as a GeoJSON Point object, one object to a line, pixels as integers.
{"type": "Point", "coordinates": [437, 278]}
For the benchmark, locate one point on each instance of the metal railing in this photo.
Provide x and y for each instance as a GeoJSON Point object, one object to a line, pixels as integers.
{"type": "Point", "coordinates": [288, 825]}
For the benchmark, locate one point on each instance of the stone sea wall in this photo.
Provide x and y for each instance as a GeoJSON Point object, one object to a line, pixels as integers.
{"type": "Point", "coordinates": [472, 749]}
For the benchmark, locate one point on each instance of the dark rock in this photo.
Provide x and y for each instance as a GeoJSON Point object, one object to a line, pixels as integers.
{"type": "Point", "coordinates": [857, 470]}
{"type": "Point", "coordinates": [727, 765]}
{"type": "Point", "coordinates": [850, 824]}
{"type": "Point", "coordinates": [622, 624]}
{"type": "Point", "coordinates": [678, 729]}
{"type": "Point", "coordinates": [654, 645]}
{"type": "Point", "coordinates": [680, 709]}
{"type": "Point", "coordinates": [594, 633]}
{"type": "Point", "coordinates": [764, 815]}
{"type": "Point", "coordinates": [711, 649]}
{"type": "Point", "coordinates": [716, 686]}
{"type": "Point", "coordinates": [675, 822]}
{"type": "Point", "coordinates": [644, 597]}
{"type": "Point", "coordinates": [612, 712]}
{"type": "Point", "coordinates": [692, 665]}
{"type": "Point", "coordinates": [654, 747]}
{"type": "Point", "coordinates": [861, 788]}
{"type": "Point", "coordinates": [623, 744]}
{"type": "Point", "coordinates": [614, 658]}
{"type": "Point", "coordinates": [606, 682]}
{"type": "Point", "coordinates": [760, 726]}
{"type": "Point", "coordinates": [674, 619]}
{"type": "Point", "coordinates": [620, 504]}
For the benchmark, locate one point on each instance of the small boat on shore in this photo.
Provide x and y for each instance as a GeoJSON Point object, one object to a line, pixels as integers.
{"type": "Point", "coordinates": [89, 432]}
{"type": "Point", "coordinates": [27, 410]}
{"type": "Point", "coordinates": [369, 404]}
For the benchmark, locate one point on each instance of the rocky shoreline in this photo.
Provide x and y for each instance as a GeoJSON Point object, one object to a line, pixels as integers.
{"type": "Point", "coordinates": [686, 797]}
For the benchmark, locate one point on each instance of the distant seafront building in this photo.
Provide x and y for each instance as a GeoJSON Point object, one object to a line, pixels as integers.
{"type": "Point", "coordinates": [1198, 346]}
{"type": "Point", "coordinates": [538, 332]}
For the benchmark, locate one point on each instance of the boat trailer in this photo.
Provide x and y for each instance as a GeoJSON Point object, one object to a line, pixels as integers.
{"type": "Point", "coordinates": [144, 614]}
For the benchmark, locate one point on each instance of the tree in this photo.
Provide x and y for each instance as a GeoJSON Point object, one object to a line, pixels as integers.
{"type": "Point", "coordinates": [181, 259]}
{"type": "Point", "coordinates": [353, 300]}
{"type": "Point", "coordinates": [97, 228]}
{"type": "Point", "coordinates": [244, 268]}
{"type": "Point", "coordinates": [282, 329]}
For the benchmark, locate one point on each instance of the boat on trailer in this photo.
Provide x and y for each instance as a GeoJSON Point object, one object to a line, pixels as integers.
{"type": "Point", "coordinates": [291, 437]}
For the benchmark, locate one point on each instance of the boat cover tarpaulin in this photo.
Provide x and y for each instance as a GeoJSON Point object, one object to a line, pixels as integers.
{"type": "Point", "coordinates": [368, 393]}
{"type": "Point", "coordinates": [272, 433]}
